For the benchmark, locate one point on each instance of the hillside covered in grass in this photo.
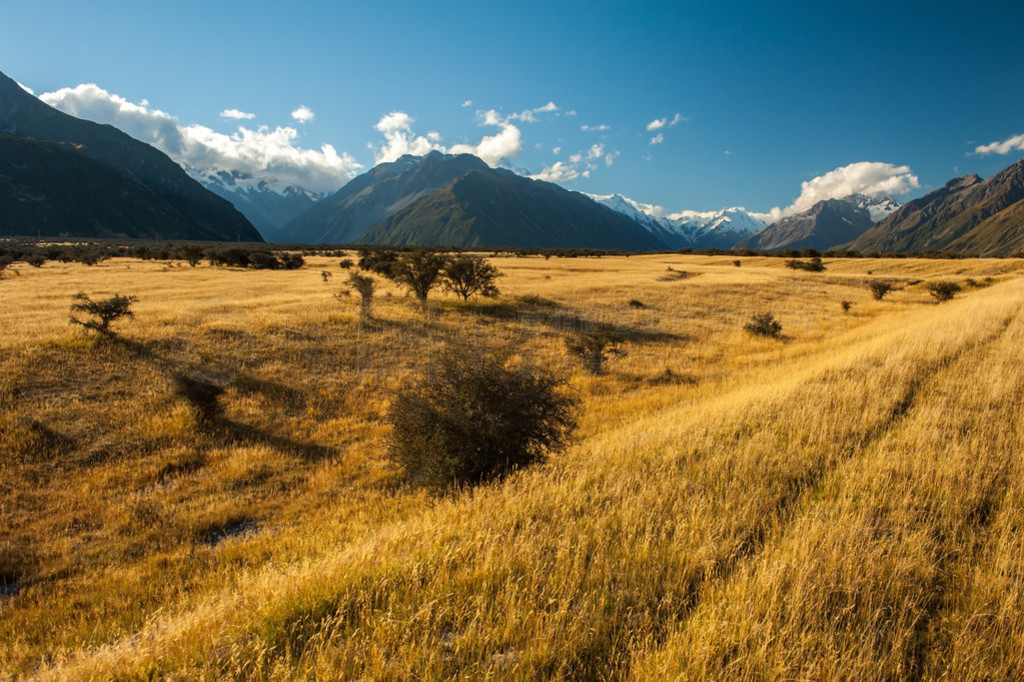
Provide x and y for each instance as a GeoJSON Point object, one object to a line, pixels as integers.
{"type": "Point", "coordinates": [843, 501]}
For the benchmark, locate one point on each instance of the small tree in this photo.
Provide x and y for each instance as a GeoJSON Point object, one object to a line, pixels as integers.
{"type": "Point", "coordinates": [419, 271]}
{"type": "Point", "coordinates": [470, 419]}
{"type": "Point", "coordinates": [468, 276]}
{"type": "Point", "coordinates": [845, 305]}
{"type": "Point", "coordinates": [105, 311]}
{"type": "Point", "coordinates": [191, 253]}
{"type": "Point", "coordinates": [764, 324]}
{"type": "Point", "coordinates": [593, 347]}
{"type": "Point", "coordinates": [4, 262]}
{"type": "Point", "coordinates": [879, 289]}
{"type": "Point", "coordinates": [943, 291]}
{"type": "Point", "coordinates": [364, 286]}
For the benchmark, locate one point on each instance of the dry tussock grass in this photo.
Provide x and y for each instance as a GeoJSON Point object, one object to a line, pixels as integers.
{"type": "Point", "coordinates": [841, 503]}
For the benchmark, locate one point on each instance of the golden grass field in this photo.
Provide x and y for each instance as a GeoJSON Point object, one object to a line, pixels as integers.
{"type": "Point", "coordinates": [844, 503]}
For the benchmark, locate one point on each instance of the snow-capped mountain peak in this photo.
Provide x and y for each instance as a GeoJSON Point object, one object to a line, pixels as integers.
{"type": "Point", "coordinates": [693, 229]}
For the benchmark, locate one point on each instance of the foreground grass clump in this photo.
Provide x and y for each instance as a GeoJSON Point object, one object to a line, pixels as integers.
{"type": "Point", "coordinates": [209, 496]}
{"type": "Point", "coordinates": [473, 418]}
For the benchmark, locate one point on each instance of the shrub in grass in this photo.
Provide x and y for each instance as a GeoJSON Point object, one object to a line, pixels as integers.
{"type": "Point", "coordinates": [943, 291]}
{"type": "Point", "coordinates": [879, 289]}
{"type": "Point", "coordinates": [764, 324]}
{"type": "Point", "coordinates": [105, 311]}
{"type": "Point", "coordinates": [593, 347]}
{"type": "Point", "coordinates": [845, 305]}
{"type": "Point", "coordinates": [364, 286]}
{"type": "Point", "coordinates": [473, 418]}
{"type": "Point", "coordinates": [202, 396]}
{"type": "Point", "coordinates": [812, 265]}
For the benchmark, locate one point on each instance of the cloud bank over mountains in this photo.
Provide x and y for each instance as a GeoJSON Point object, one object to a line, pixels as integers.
{"type": "Point", "coordinates": [265, 153]}
{"type": "Point", "coordinates": [870, 178]}
{"type": "Point", "coordinates": [275, 154]}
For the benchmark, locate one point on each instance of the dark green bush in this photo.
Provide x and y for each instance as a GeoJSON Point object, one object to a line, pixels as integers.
{"type": "Point", "coordinates": [943, 291]}
{"type": "Point", "coordinates": [471, 418]}
{"type": "Point", "coordinates": [593, 347]}
{"type": "Point", "coordinates": [764, 324]}
{"type": "Point", "coordinates": [812, 265]}
{"type": "Point", "coordinates": [879, 289]}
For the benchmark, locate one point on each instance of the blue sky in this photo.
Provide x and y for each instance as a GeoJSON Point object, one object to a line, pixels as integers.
{"type": "Point", "coordinates": [754, 99]}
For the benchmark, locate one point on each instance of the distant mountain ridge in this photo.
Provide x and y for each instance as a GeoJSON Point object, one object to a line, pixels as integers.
{"type": "Point", "coordinates": [688, 229]}
{"type": "Point", "coordinates": [268, 207]}
{"type": "Point", "coordinates": [458, 200]}
{"type": "Point", "coordinates": [186, 210]}
{"type": "Point", "coordinates": [968, 215]}
{"type": "Point", "coordinates": [826, 224]}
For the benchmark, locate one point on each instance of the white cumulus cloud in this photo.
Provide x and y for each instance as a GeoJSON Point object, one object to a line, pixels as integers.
{"type": "Point", "coordinates": [1010, 144]}
{"type": "Point", "coordinates": [594, 129]}
{"type": "Point", "coordinates": [530, 115]}
{"type": "Point", "coordinates": [303, 114]}
{"type": "Point", "coordinates": [659, 123]}
{"type": "Point", "coordinates": [872, 178]}
{"type": "Point", "coordinates": [237, 114]}
{"type": "Point", "coordinates": [26, 88]}
{"type": "Point", "coordinates": [557, 172]}
{"type": "Point", "coordinates": [263, 153]}
{"type": "Point", "coordinates": [399, 139]}
{"type": "Point", "coordinates": [467, 103]}
{"type": "Point", "coordinates": [658, 139]}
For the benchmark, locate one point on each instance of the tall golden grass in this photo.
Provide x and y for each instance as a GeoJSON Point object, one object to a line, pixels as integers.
{"type": "Point", "coordinates": [843, 503]}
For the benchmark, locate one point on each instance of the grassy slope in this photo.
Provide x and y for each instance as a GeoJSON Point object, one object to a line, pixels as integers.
{"type": "Point", "coordinates": [836, 499]}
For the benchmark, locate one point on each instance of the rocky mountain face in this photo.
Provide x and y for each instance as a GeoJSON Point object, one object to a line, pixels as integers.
{"type": "Point", "coordinates": [969, 215]}
{"type": "Point", "coordinates": [688, 229]}
{"type": "Point", "coordinates": [458, 200]}
{"type": "Point", "coordinates": [824, 225]}
{"type": "Point", "coordinates": [268, 208]}
{"type": "Point", "coordinates": [188, 210]}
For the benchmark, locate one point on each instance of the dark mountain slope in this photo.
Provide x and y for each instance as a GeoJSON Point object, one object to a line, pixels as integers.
{"type": "Point", "coordinates": [968, 215]}
{"type": "Point", "coordinates": [457, 200]}
{"type": "Point", "coordinates": [53, 189]}
{"type": "Point", "coordinates": [375, 195]}
{"type": "Point", "coordinates": [203, 214]}
{"type": "Point", "coordinates": [498, 208]}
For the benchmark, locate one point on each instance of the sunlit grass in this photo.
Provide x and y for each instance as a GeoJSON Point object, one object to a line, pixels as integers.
{"type": "Point", "coordinates": [838, 503]}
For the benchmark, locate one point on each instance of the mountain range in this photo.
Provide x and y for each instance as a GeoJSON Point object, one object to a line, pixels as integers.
{"type": "Point", "coordinates": [458, 200]}
{"type": "Point", "coordinates": [968, 215]}
{"type": "Point", "coordinates": [66, 176]}
{"type": "Point", "coordinates": [60, 175]}
{"type": "Point", "coordinates": [823, 226]}
{"type": "Point", "coordinates": [267, 205]}
{"type": "Point", "coordinates": [688, 229]}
